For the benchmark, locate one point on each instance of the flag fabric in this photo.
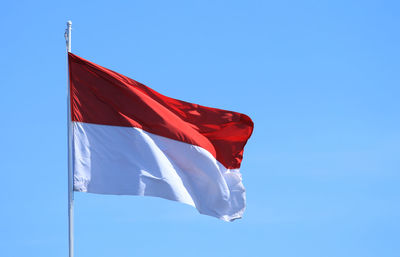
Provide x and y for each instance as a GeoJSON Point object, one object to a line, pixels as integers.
{"type": "Point", "coordinates": [130, 140]}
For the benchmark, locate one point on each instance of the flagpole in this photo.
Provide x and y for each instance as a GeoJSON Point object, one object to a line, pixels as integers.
{"type": "Point", "coordinates": [70, 175]}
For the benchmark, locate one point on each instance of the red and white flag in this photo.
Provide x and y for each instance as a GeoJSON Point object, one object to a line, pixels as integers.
{"type": "Point", "coordinates": [130, 140]}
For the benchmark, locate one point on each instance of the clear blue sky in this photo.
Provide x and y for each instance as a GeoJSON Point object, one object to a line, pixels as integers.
{"type": "Point", "coordinates": [320, 79]}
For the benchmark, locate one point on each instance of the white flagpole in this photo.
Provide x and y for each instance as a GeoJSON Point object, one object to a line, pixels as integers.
{"type": "Point", "coordinates": [70, 175]}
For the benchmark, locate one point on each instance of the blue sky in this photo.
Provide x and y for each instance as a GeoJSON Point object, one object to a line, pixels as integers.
{"type": "Point", "coordinates": [320, 79]}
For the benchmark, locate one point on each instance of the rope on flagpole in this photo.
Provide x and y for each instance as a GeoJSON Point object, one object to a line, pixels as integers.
{"type": "Point", "coordinates": [70, 174]}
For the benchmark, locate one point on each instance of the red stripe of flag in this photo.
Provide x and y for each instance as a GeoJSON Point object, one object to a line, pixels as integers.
{"type": "Point", "coordinates": [102, 96]}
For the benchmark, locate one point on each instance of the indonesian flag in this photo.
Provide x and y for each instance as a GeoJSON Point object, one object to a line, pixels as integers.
{"type": "Point", "coordinates": [130, 140]}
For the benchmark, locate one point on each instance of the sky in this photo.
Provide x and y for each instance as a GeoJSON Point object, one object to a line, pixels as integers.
{"type": "Point", "coordinates": [320, 80]}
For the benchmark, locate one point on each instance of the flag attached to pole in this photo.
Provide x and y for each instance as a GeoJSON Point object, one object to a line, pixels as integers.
{"type": "Point", "coordinates": [130, 140]}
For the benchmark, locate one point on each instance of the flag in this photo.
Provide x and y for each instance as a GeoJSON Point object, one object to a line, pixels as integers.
{"type": "Point", "coordinates": [131, 140]}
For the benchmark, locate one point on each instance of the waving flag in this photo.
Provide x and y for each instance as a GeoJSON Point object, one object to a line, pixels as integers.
{"type": "Point", "coordinates": [130, 140]}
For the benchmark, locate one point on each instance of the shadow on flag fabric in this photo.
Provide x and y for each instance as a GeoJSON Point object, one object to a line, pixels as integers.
{"type": "Point", "coordinates": [130, 140]}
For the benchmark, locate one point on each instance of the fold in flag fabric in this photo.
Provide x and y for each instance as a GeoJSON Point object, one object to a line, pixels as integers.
{"type": "Point", "coordinates": [130, 140]}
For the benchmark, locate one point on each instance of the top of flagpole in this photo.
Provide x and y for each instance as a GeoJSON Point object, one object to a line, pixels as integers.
{"type": "Point", "coordinates": [68, 35]}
